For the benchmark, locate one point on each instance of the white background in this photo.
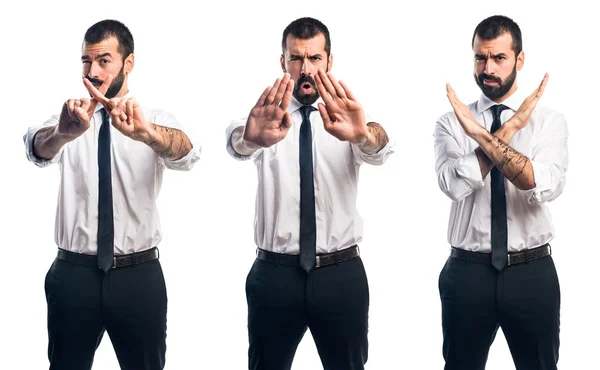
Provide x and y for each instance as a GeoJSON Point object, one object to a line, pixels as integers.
{"type": "Point", "coordinates": [208, 64]}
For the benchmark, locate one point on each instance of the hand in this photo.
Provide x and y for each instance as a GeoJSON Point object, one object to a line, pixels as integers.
{"type": "Point", "coordinates": [269, 120]}
{"type": "Point", "coordinates": [463, 114]}
{"type": "Point", "coordinates": [342, 114]}
{"type": "Point", "coordinates": [76, 113]}
{"type": "Point", "coordinates": [127, 116]}
{"type": "Point", "coordinates": [521, 117]}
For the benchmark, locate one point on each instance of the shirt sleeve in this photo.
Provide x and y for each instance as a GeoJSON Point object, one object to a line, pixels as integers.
{"type": "Point", "coordinates": [235, 124]}
{"type": "Point", "coordinates": [550, 161]}
{"type": "Point", "coordinates": [187, 162]}
{"type": "Point", "coordinates": [28, 139]}
{"type": "Point", "coordinates": [458, 173]}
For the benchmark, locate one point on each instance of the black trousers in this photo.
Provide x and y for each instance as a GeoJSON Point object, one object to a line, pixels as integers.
{"type": "Point", "coordinates": [523, 299]}
{"type": "Point", "coordinates": [130, 303]}
{"type": "Point", "coordinates": [283, 301]}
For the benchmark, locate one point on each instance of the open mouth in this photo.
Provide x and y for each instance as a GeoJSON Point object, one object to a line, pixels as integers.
{"type": "Point", "coordinates": [307, 88]}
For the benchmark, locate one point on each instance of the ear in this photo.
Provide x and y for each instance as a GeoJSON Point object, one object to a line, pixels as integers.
{"type": "Point", "coordinates": [329, 62]}
{"type": "Point", "coordinates": [282, 61]}
{"type": "Point", "coordinates": [520, 60]}
{"type": "Point", "coordinates": [129, 62]}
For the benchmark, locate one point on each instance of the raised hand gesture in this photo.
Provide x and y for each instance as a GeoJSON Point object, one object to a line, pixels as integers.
{"type": "Point", "coordinates": [521, 117]}
{"type": "Point", "coordinates": [127, 116]}
{"type": "Point", "coordinates": [343, 116]}
{"type": "Point", "coordinates": [76, 113]}
{"type": "Point", "coordinates": [269, 120]}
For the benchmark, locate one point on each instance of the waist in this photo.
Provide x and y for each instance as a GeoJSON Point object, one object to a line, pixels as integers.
{"type": "Point", "coordinates": [514, 258]}
{"type": "Point", "coordinates": [122, 260]}
{"type": "Point", "coordinates": [322, 260]}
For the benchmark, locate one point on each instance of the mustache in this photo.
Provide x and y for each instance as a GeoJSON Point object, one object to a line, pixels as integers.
{"type": "Point", "coordinates": [94, 81]}
{"type": "Point", "coordinates": [306, 79]}
{"type": "Point", "coordinates": [485, 76]}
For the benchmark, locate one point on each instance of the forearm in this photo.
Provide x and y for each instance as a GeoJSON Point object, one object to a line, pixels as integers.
{"type": "Point", "coordinates": [514, 166]}
{"type": "Point", "coordinates": [504, 133]}
{"type": "Point", "coordinates": [376, 139]}
{"type": "Point", "coordinates": [47, 143]}
{"type": "Point", "coordinates": [168, 142]}
{"type": "Point", "coordinates": [241, 146]}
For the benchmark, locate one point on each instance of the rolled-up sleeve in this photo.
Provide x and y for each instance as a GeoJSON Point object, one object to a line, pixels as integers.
{"type": "Point", "coordinates": [229, 132]}
{"type": "Point", "coordinates": [458, 173]}
{"type": "Point", "coordinates": [186, 162]}
{"type": "Point", "coordinates": [28, 139]}
{"type": "Point", "coordinates": [378, 158]}
{"type": "Point", "coordinates": [550, 160]}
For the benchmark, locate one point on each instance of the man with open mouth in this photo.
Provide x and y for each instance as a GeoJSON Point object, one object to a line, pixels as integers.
{"type": "Point", "coordinates": [308, 136]}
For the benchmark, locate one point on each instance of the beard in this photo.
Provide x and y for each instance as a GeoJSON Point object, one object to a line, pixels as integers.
{"type": "Point", "coordinates": [496, 92]}
{"type": "Point", "coordinates": [306, 99]}
{"type": "Point", "coordinates": [115, 86]}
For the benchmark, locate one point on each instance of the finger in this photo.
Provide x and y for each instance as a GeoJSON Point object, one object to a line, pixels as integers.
{"type": "Point", "coordinates": [542, 87]}
{"type": "Point", "coordinates": [81, 114]}
{"type": "Point", "coordinates": [339, 90]}
{"type": "Point", "coordinates": [263, 97]}
{"type": "Point", "coordinates": [282, 88]}
{"type": "Point", "coordinates": [349, 93]}
{"type": "Point", "coordinates": [130, 106]}
{"type": "Point", "coordinates": [287, 96]}
{"type": "Point", "coordinates": [286, 123]}
{"type": "Point", "coordinates": [94, 92]}
{"type": "Point", "coordinates": [324, 115]}
{"type": "Point", "coordinates": [322, 90]}
{"type": "Point", "coordinates": [327, 83]}
{"type": "Point", "coordinates": [71, 106]}
{"type": "Point", "coordinates": [271, 97]}
{"type": "Point", "coordinates": [106, 84]}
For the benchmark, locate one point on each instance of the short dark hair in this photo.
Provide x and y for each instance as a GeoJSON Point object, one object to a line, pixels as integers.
{"type": "Point", "coordinates": [111, 28]}
{"type": "Point", "coordinates": [494, 26]}
{"type": "Point", "coordinates": [304, 29]}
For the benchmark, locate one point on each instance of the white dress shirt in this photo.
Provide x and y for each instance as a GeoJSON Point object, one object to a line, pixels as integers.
{"type": "Point", "coordinates": [336, 166]}
{"type": "Point", "coordinates": [137, 173]}
{"type": "Point", "coordinates": [543, 141]}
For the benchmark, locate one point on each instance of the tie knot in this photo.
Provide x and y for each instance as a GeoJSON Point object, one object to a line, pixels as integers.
{"type": "Point", "coordinates": [497, 109]}
{"type": "Point", "coordinates": [306, 110]}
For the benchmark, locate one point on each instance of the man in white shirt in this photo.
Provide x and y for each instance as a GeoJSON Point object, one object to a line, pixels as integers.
{"type": "Point", "coordinates": [500, 160]}
{"type": "Point", "coordinates": [307, 273]}
{"type": "Point", "coordinates": [111, 154]}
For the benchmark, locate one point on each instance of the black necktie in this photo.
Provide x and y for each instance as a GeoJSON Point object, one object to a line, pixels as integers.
{"type": "Point", "coordinates": [106, 230]}
{"type": "Point", "coordinates": [308, 223]}
{"type": "Point", "coordinates": [499, 233]}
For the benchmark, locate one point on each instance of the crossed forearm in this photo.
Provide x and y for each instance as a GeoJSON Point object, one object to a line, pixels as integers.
{"type": "Point", "coordinates": [494, 151]}
{"type": "Point", "coordinates": [169, 142]}
{"type": "Point", "coordinates": [376, 140]}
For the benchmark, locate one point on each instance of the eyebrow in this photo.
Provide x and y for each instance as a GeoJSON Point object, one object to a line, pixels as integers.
{"type": "Point", "coordinates": [85, 57]}
{"type": "Point", "coordinates": [301, 56]}
{"type": "Point", "coordinates": [492, 56]}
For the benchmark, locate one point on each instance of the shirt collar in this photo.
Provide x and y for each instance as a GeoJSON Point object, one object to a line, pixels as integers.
{"type": "Point", "coordinates": [513, 102]}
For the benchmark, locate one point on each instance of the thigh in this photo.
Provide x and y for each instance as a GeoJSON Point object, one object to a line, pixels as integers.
{"type": "Point", "coordinates": [530, 313]}
{"type": "Point", "coordinates": [469, 316]}
{"type": "Point", "coordinates": [75, 326]}
{"type": "Point", "coordinates": [135, 309]}
{"type": "Point", "coordinates": [338, 310]}
{"type": "Point", "coordinates": [276, 314]}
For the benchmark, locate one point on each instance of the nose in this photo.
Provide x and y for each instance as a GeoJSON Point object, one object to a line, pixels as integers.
{"type": "Point", "coordinates": [93, 70]}
{"type": "Point", "coordinates": [490, 66]}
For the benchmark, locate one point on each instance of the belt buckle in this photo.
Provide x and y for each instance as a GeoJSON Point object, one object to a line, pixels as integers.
{"type": "Point", "coordinates": [318, 262]}
{"type": "Point", "coordinates": [114, 266]}
{"type": "Point", "coordinates": [509, 259]}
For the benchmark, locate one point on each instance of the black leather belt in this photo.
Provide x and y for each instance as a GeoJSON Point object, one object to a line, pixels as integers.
{"type": "Point", "coordinates": [513, 258]}
{"type": "Point", "coordinates": [321, 260]}
{"type": "Point", "coordinates": [119, 261]}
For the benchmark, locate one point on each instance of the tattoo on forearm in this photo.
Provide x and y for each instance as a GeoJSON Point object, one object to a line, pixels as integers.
{"type": "Point", "coordinates": [508, 155]}
{"type": "Point", "coordinates": [178, 144]}
{"type": "Point", "coordinates": [381, 138]}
